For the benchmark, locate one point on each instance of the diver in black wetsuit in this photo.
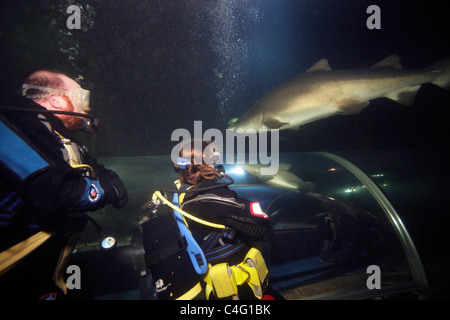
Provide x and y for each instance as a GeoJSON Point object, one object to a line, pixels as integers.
{"type": "Point", "coordinates": [245, 221]}
{"type": "Point", "coordinates": [205, 248]}
{"type": "Point", "coordinates": [48, 182]}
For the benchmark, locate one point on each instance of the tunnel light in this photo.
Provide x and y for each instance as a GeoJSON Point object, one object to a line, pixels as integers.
{"type": "Point", "coordinates": [353, 189]}
{"type": "Point", "coordinates": [237, 171]}
{"type": "Point", "coordinates": [108, 243]}
{"type": "Point", "coordinates": [377, 175]}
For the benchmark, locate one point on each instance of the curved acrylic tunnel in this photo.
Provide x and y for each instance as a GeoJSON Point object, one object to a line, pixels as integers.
{"type": "Point", "coordinates": [367, 228]}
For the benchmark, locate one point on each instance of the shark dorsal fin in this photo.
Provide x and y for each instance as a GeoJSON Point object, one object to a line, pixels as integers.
{"type": "Point", "coordinates": [392, 61]}
{"type": "Point", "coordinates": [321, 65]}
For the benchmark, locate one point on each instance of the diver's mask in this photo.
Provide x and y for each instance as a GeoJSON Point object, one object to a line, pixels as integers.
{"type": "Point", "coordinates": [184, 163]}
{"type": "Point", "coordinates": [79, 96]}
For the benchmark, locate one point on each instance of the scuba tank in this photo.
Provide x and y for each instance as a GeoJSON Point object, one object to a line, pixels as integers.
{"type": "Point", "coordinates": [172, 255]}
{"type": "Point", "coordinates": [176, 261]}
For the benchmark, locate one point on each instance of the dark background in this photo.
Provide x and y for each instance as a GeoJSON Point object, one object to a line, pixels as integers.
{"type": "Point", "coordinates": [158, 65]}
{"type": "Point", "coordinates": [152, 66]}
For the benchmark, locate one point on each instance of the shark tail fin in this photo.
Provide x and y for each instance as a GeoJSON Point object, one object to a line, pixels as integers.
{"type": "Point", "coordinates": [443, 73]}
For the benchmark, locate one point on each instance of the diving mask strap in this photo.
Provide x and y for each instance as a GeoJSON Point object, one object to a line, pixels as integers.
{"type": "Point", "coordinates": [27, 86]}
{"type": "Point", "coordinates": [79, 95]}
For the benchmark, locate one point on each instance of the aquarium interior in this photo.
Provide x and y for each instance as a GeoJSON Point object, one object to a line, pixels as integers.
{"type": "Point", "coordinates": [157, 66]}
{"type": "Point", "coordinates": [292, 249]}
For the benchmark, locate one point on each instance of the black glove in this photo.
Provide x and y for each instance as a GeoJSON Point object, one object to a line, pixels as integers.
{"type": "Point", "coordinates": [122, 196]}
{"type": "Point", "coordinates": [114, 187]}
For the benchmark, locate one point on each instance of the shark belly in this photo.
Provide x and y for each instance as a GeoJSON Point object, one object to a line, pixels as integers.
{"type": "Point", "coordinates": [303, 115]}
{"type": "Point", "coordinates": [321, 92]}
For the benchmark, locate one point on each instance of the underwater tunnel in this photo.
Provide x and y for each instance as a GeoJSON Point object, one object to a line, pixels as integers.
{"type": "Point", "coordinates": [374, 197]}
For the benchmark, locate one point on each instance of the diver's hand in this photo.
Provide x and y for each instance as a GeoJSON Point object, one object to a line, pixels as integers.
{"type": "Point", "coordinates": [122, 196]}
{"type": "Point", "coordinates": [114, 187]}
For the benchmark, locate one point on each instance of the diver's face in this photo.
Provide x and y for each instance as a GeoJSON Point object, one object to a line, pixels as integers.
{"type": "Point", "coordinates": [72, 86]}
{"type": "Point", "coordinates": [71, 122]}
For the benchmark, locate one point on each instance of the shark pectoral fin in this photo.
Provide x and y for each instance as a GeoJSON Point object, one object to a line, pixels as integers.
{"type": "Point", "coordinates": [232, 121]}
{"type": "Point", "coordinates": [274, 123]}
{"type": "Point", "coordinates": [442, 69]}
{"type": "Point", "coordinates": [263, 179]}
{"type": "Point", "coordinates": [392, 61]}
{"type": "Point", "coordinates": [321, 65]}
{"type": "Point", "coordinates": [351, 106]}
{"type": "Point", "coordinates": [442, 81]}
{"type": "Point", "coordinates": [404, 96]}
{"type": "Point", "coordinates": [284, 166]}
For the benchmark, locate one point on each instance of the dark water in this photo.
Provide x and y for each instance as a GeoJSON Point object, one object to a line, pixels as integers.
{"type": "Point", "coordinates": [155, 66]}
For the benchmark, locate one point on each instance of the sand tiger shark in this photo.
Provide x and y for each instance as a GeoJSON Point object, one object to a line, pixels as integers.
{"type": "Point", "coordinates": [282, 179]}
{"type": "Point", "coordinates": [321, 92]}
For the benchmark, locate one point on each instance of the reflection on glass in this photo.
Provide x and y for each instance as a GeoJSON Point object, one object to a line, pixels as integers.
{"type": "Point", "coordinates": [320, 233]}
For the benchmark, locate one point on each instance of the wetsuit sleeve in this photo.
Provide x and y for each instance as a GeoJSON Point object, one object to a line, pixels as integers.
{"type": "Point", "coordinates": [48, 184]}
{"type": "Point", "coordinates": [95, 193]}
{"type": "Point", "coordinates": [249, 221]}
{"type": "Point", "coordinates": [59, 188]}
{"type": "Point", "coordinates": [109, 181]}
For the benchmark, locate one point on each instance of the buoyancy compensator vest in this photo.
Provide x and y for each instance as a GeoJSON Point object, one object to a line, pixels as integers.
{"type": "Point", "coordinates": [173, 256]}
{"type": "Point", "coordinates": [178, 264]}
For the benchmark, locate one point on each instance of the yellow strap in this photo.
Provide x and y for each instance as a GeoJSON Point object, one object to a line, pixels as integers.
{"type": "Point", "coordinates": [185, 214]}
{"type": "Point", "coordinates": [240, 274]}
{"type": "Point", "coordinates": [13, 255]}
{"type": "Point", "coordinates": [209, 286]}
{"type": "Point", "coordinates": [255, 256]}
{"type": "Point", "coordinates": [255, 265]}
{"type": "Point", "coordinates": [177, 184]}
{"type": "Point", "coordinates": [223, 280]}
{"type": "Point", "coordinates": [181, 199]}
{"type": "Point", "coordinates": [191, 294]}
{"type": "Point", "coordinates": [158, 194]}
{"type": "Point", "coordinates": [73, 157]}
{"type": "Point", "coordinates": [63, 262]}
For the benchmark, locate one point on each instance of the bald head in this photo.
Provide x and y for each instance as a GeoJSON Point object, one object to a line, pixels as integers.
{"type": "Point", "coordinates": [50, 79]}
{"type": "Point", "coordinates": [54, 101]}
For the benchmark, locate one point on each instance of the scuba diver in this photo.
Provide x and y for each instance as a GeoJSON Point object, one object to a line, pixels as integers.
{"type": "Point", "coordinates": [219, 205]}
{"type": "Point", "coordinates": [220, 234]}
{"type": "Point", "coordinates": [48, 183]}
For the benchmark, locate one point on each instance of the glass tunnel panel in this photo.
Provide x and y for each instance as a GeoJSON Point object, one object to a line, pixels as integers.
{"type": "Point", "coordinates": [327, 226]}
